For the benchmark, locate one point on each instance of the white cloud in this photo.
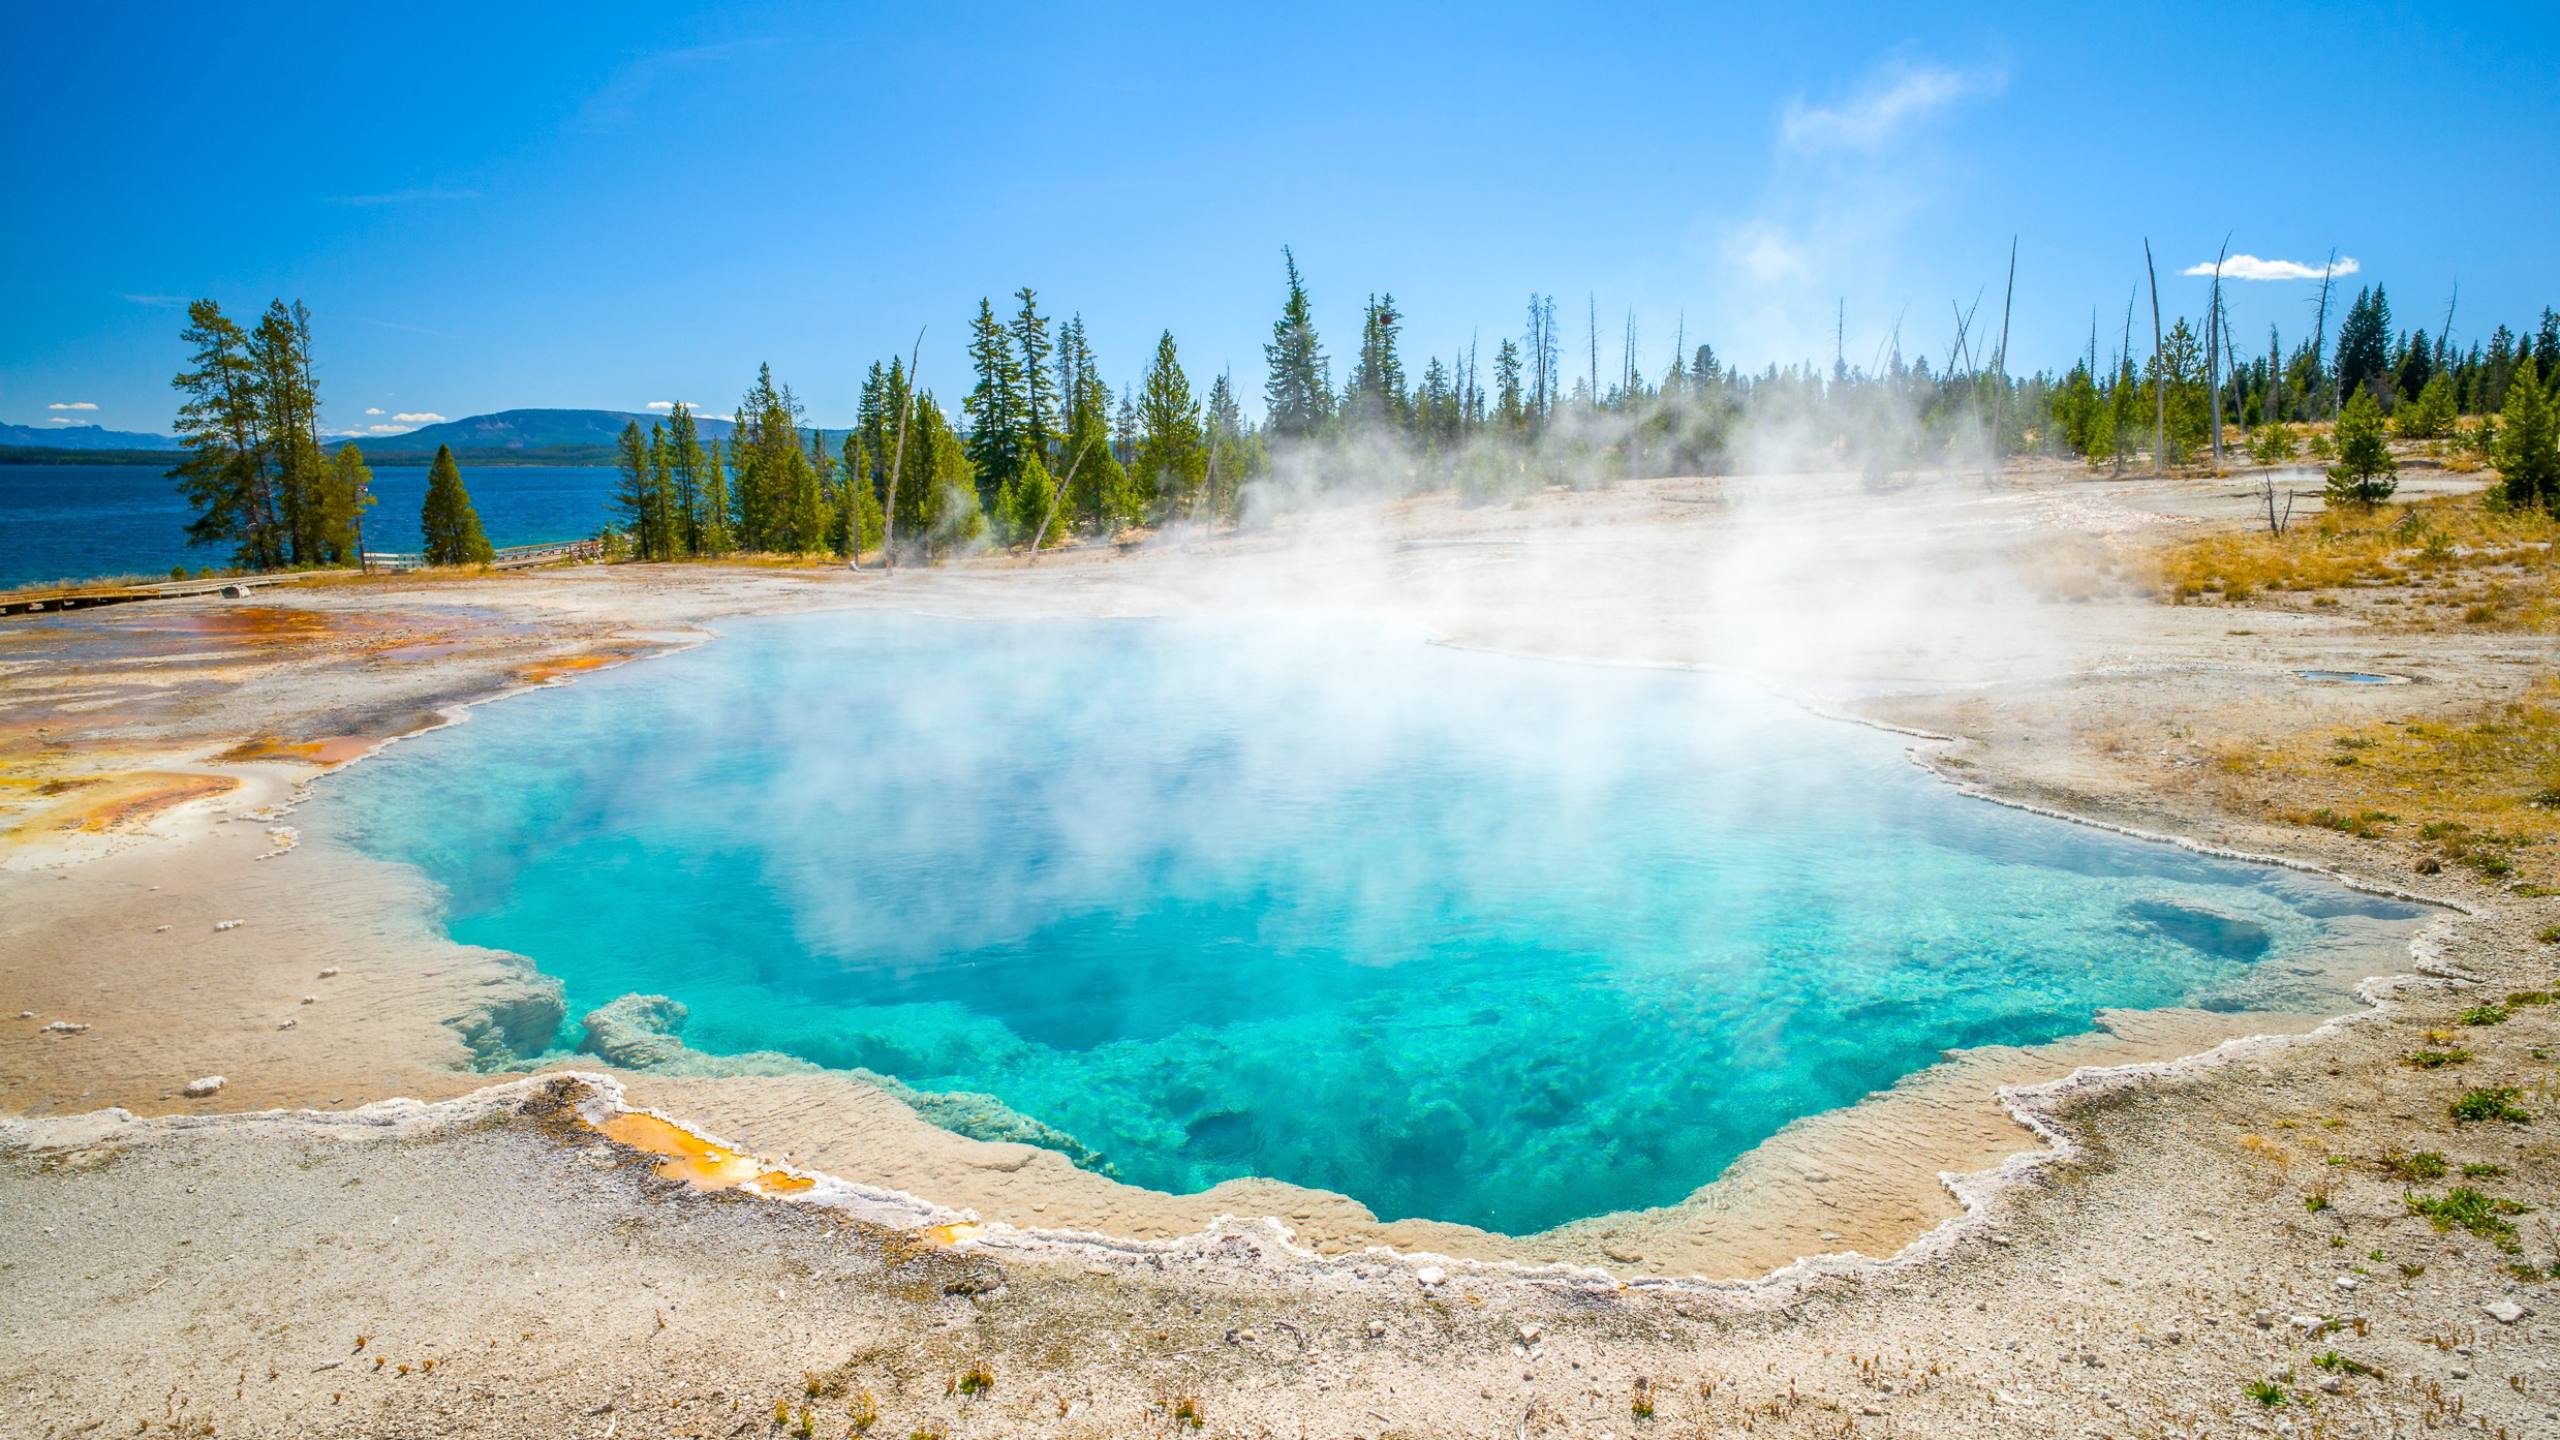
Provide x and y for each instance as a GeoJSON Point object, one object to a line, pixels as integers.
{"type": "Point", "coordinates": [2250, 267]}
{"type": "Point", "coordinates": [666, 405]}
{"type": "Point", "coordinates": [373, 409]}
{"type": "Point", "coordinates": [384, 430]}
{"type": "Point", "coordinates": [72, 405]}
{"type": "Point", "coordinates": [158, 302]}
{"type": "Point", "coordinates": [416, 417]}
{"type": "Point", "coordinates": [1892, 96]}
{"type": "Point", "coordinates": [1767, 254]}
{"type": "Point", "coordinates": [62, 420]}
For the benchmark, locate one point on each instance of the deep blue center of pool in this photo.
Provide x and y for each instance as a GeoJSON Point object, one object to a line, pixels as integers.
{"type": "Point", "coordinates": [1480, 939]}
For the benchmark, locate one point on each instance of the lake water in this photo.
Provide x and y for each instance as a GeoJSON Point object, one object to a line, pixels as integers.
{"type": "Point", "coordinates": [75, 522]}
{"type": "Point", "coordinates": [1479, 939]}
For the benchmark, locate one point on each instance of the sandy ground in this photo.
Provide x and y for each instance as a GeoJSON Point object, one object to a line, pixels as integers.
{"type": "Point", "coordinates": [2111, 1278]}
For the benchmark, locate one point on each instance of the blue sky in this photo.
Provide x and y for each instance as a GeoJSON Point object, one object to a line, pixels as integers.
{"type": "Point", "coordinates": [489, 207]}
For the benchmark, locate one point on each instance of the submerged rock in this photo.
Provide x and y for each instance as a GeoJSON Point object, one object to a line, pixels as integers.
{"type": "Point", "coordinates": [984, 1117]}
{"type": "Point", "coordinates": [643, 1032]}
{"type": "Point", "coordinates": [636, 1032]}
{"type": "Point", "coordinates": [2228, 936]}
{"type": "Point", "coordinates": [513, 1018]}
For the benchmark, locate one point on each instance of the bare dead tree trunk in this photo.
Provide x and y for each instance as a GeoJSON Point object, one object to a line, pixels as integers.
{"type": "Point", "coordinates": [1592, 321]}
{"type": "Point", "coordinates": [2000, 368]}
{"type": "Point", "coordinates": [1972, 376]}
{"type": "Point", "coordinates": [1058, 497]}
{"type": "Point", "coordinates": [2159, 391]}
{"type": "Point", "coordinates": [2320, 331]}
{"type": "Point", "coordinates": [2213, 351]}
{"type": "Point", "coordinates": [2273, 411]}
{"type": "Point", "coordinates": [2124, 357]}
{"type": "Point", "coordinates": [897, 462]}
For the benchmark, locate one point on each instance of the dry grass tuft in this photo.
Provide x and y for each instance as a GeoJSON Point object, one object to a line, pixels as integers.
{"type": "Point", "coordinates": [2483, 793]}
{"type": "Point", "coordinates": [2474, 565]}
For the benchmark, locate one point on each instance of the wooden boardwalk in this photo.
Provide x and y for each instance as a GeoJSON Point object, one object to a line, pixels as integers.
{"type": "Point", "coordinates": [83, 597]}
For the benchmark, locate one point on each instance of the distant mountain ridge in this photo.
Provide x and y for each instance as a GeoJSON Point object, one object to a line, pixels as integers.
{"type": "Point", "coordinates": [503, 437]}
{"type": "Point", "coordinates": [528, 436]}
{"type": "Point", "coordinates": [83, 437]}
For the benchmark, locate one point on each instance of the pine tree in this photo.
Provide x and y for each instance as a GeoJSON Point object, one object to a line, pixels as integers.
{"type": "Point", "coordinates": [1170, 457]}
{"type": "Point", "coordinates": [1124, 429]}
{"type": "Point", "coordinates": [2527, 451]}
{"type": "Point", "coordinates": [288, 425]}
{"type": "Point", "coordinates": [450, 525]}
{"type": "Point", "coordinates": [858, 520]}
{"type": "Point", "coordinates": [1375, 395]}
{"type": "Point", "coordinates": [1026, 502]}
{"type": "Point", "coordinates": [2431, 416]}
{"type": "Point", "coordinates": [634, 498]}
{"type": "Point", "coordinates": [715, 526]}
{"type": "Point", "coordinates": [2364, 342]}
{"type": "Point", "coordinates": [349, 494]}
{"type": "Point", "coordinates": [2273, 445]}
{"type": "Point", "coordinates": [1037, 415]}
{"type": "Point", "coordinates": [666, 521]}
{"type": "Point", "coordinates": [1297, 399]}
{"type": "Point", "coordinates": [994, 407]}
{"type": "Point", "coordinates": [224, 474]}
{"type": "Point", "coordinates": [938, 509]}
{"type": "Point", "coordinates": [1507, 411]}
{"type": "Point", "coordinates": [686, 469]}
{"type": "Point", "coordinates": [1099, 496]}
{"type": "Point", "coordinates": [1231, 457]}
{"type": "Point", "coordinates": [2363, 475]}
{"type": "Point", "coordinates": [780, 500]}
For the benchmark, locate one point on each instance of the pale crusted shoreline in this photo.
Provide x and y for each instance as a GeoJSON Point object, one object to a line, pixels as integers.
{"type": "Point", "coordinates": [1979, 1204]}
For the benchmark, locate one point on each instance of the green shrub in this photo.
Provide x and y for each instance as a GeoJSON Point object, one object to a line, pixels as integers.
{"type": "Point", "coordinates": [2498, 1103]}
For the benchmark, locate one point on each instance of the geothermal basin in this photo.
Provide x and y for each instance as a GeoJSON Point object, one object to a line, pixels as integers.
{"type": "Point", "coordinates": [1468, 938]}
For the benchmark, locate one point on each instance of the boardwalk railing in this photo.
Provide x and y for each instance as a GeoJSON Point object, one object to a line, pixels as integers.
{"type": "Point", "coordinates": [81, 597]}
{"type": "Point", "coordinates": [508, 558]}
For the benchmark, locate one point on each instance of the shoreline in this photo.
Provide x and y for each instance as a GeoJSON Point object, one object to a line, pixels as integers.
{"type": "Point", "coordinates": [1613, 1243]}
{"type": "Point", "coordinates": [1990, 1203]}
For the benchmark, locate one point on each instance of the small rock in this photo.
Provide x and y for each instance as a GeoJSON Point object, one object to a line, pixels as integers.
{"type": "Point", "coordinates": [2430, 866]}
{"type": "Point", "coordinates": [198, 1089]}
{"type": "Point", "coordinates": [2310, 1324]}
{"type": "Point", "coordinates": [287, 1024]}
{"type": "Point", "coordinates": [1529, 1334]}
{"type": "Point", "coordinates": [2346, 1282]}
{"type": "Point", "coordinates": [310, 999]}
{"type": "Point", "coordinates": [65, 1027]}
{"type": "Point", "coordinates": [1377, 1329]}
{"type": "Point", "coordinates": [26, 1014]}
{"type": "Point", "coordinates": [2505, 1312]}
{"type": "Point", "coordinates": [2332, 1384]}
{"type": "Point", "coordinates": [329, 973]}
{"type": "Point", "coordinates": [1431, 1275]}
{"type": "Point", "coordinates": [160, 929]}
{"type": "Point", "coordinates": [221, 925]}
{"type": "Point", "coordinates": [2263, 1319]}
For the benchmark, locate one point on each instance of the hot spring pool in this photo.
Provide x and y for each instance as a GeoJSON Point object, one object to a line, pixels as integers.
{"type": "Point", "coordinates": [1502, 942]}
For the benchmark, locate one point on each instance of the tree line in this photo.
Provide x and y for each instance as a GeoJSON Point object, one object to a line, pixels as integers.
{"type": "Point", "coordinates": [1042, 449]}
{"type": "Point", "coordinates": [253, 464]}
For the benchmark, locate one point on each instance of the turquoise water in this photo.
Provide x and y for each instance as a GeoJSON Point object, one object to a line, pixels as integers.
{"type": "Point", "coordinates": [1486, 940]}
